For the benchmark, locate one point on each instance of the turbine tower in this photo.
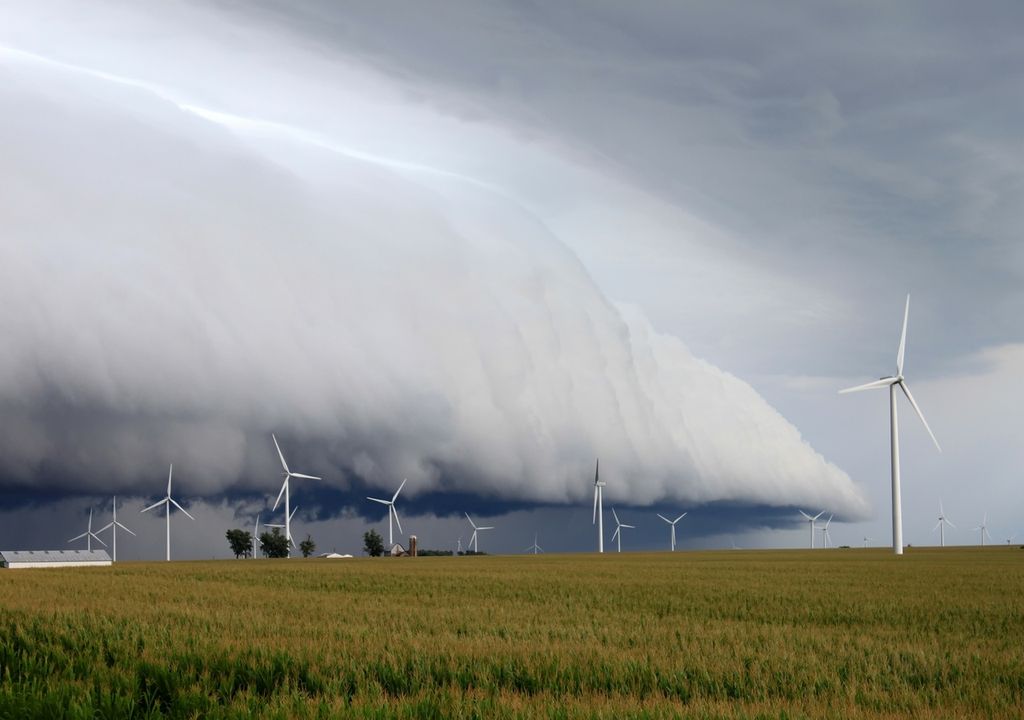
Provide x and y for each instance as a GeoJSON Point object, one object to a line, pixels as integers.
{"type": "Point", "coordinates": [392, 510]}
{"type": "Point", "coordinates": [256, 536]}
{"type": "Point", "coordinates": [891, 382]}
{"type": "Point", "coordinates": [673, 524]}
{"type": "Point", "coordinates": [168, 501]}
{"type": "Point", "coordinates": [983, 528]}
{"type": "Point", "coordinates": [89, 535]}
{"type": "Point", "coordinates": [811, 521]}
{"type": "Point", "coordinates": [940, 525]}
{"type": "Point", "coordinates": [535, 548]}
{"type": "Point", "coordinates": [617, 535]}
{"type": "Point", "coordinates": [824, 532]}
{"type": "Point", "coordinates": [288, 475]}
{"type": "Point", "coordinates": [473, 540]}
{"type": "Point", "coordinates": [599, 506]}
{"type": "Point", "coordinates": [113, 525]}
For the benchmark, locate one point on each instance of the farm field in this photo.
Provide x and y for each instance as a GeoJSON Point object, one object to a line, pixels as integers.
{"type": "Point", "coordinates": [731, 634]}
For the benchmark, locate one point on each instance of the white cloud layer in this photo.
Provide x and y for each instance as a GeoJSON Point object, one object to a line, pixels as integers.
{"type": "Point", "coordinates": [179, 276]}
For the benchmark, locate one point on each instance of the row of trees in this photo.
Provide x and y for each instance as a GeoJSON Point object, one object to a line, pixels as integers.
{"type": "Point", "coordinates": [272, 544]}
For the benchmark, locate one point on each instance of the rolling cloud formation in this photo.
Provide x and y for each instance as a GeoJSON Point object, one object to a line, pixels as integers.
{"type": "Point", "coordinates": [183, 271]}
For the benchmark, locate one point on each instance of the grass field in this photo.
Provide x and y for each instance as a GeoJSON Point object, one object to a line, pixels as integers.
{"type": "Point", "coordinates": [766, 634]}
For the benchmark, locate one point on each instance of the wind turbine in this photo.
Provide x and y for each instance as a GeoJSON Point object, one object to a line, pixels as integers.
{"type": "Point", "coordinates": [113, 525]}
{"type": "Point", "coordinates": [256, 536]}
{"type": "Point", "coordinates": [89, 535]}
{"type": "Point", "coordinates": [891, 382]}
{"type": "Point", "coordinates": [984, 529]}
{"type": "Point", "coordinates": [392, 510]}
{"type": "Point", "coordinates": [535, 547]}
{"type": "Point", "coordinates": [1009, 540]}
{"type": "Point", "coordinates": [599, 506]}
{"type": "Point", "coordinates": [673, 524]}
{"type": "Point", "coordinates": [866, 539]}
{"type": "Point", "coordinates": [811, 521]}
{"type": "Point", "coordinates": [617, 535]}
{"type": "Point", "coordinates": [168, 501]}
{"type": "Point", "coordinates": [940, 525]}
{"type": "Point", "coordinates": [473, 540]}
{"type": "Point", "coordinates": [288, 475]}
{"type": "Point", "coordinates": [824, 532]}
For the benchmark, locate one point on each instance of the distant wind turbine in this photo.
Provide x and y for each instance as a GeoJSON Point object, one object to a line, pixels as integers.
{"type": "Point", "coordinates": [617, 535]}
{"type": "Point", "coordinates": [599, 505]}
{"type": "Point", "coordinates": [474, 539]}
{"type": "Point", "coordinates": [891, 382]}
{"type": "Point", "coordinates": [984, 529]}
{"type": "Point", "coordinates": [1010, 539]}
{"type": "Point", "coordinates": [866, 539]}
{"type": "Point", "coordinates": [535, 548]}
{"type": "Point", "coordinates": [288, 475]}
{"type": "Point", "coordinates": [168, 501]}
{"type": "Point", "coordinates": [673, 524]}
{"type": "Point", "coordinates": [256, 536]}
{"type": "Point", "coordinates": [824, 532]}
{"type": "Point", "coordinates": [113, 525]}
{"type": "Point", "coordinates": [811, 521]}
{"type": "Point", "coordinates": [392, 510]}
{"type": "Point", "coordinates": [89, 535]}
{"type": "Point", "coordinates": [940, 525]}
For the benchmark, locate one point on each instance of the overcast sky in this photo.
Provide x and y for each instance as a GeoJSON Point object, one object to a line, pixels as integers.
{"type": "Point", "coordinates": [479, 245]}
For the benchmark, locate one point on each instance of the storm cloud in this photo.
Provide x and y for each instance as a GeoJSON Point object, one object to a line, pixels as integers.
{"type": "Point", "coordinates": [185, 269]}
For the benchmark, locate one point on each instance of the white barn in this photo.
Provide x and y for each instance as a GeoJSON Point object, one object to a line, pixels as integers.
{"type": "Point", "coordinates": [17, 559]}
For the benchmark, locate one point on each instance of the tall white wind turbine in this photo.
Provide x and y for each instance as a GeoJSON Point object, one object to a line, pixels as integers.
{"type": "Point", "coordinates": [89, 535]}
{"type": "Point", "coordinates": [392, 510]}
{"type": "Point", "coordinates": [617, 535]}
{"type": "Point", "coordinates": [599, 506]}
{"type": "Point", "coordinates": [983, 528]}
{"type": "Point", "coordinates": [288, 475]}
{"type": "Point", "coordinates": [891, 382]}
{"type": "Point", "coordinates": [168, 501]}
{"type": "Point", "coordinates": [474, 539]}
{"type": "Point", "coordinates": [941, 525]}
{"type": "Point", "coordinates": [673, 524]}
{"type": "Point", "coordinates": [824, 532]}
{"type": "Point", "coordinates": [113, 525]}
{"type": "Point", "coordinates": [535, 548]}
{"type": "Point", "coordinates": [256, 536]}
{"type": "Point", "coordinates": [811, 521]}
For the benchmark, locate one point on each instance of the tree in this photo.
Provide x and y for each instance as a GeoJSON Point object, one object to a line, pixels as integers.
{"type": "Point", "coordinates": [373, 543]}
{"type": "Point", "coordinates": [274, 544]}
{"type": "Point", "coordinates": [307, 546]}
{"type": "Point", "coordinates": [240, 542]}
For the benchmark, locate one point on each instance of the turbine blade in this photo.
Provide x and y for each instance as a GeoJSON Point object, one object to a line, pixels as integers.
{"type": "Point", "coordinates": [829, 521]}
{"type": "Point", "coordinates": [154, 505]}
{"type": "Point", "coordinates": [280, 454]}
{"type": "Point", "coordinates": [616, 533]}
{"type": "Point", "coordinates": [486, 527]}
{"type": "Point", "coordinates": [125, 529]}
{"type": "Point", "coordinates": [78, 537]}
{"type": "Point", "coordinates": [594, 521]}
{"type": "Point", "coordinates": [903, 338]}
{"type": "Point", "coordinates": [819, 515]}
{"type": "Point", "coordinates": [949, 523]}
{"type": "Point", "coordinates": [806, 515]}
{"type": "Point", "coordinates": [906, 391]}
{"type": "Point", "coordinates": [632, 527]}
{"type": "Point", "coordinates": [305, 477]}
{"type": "Point", "coordinates": [615, 516]}
{"type": "Point", "coordinates": [937, 526]}
{"type": "Point", "coordinates": [395, 496]}
{"type": "Point", "coordinates": [293, 513]}
{"type": "Point", "coordinates": [97, 539]}
{"type": "Point", "coordinates": [597, 471]}
{"type": "Point", "coordinates": [106, 527]}
{"type": "Point", "coordinates": [280, 493]}
{"type": "Point", "coordinates": [378, 500]}
{"type": "Point", "coordinates": [170, 472]}
{"type": "Point", "coordinates": [680, 517]}
{"type": "Point", "coordinates": [884, 382]}
{"type": "Point", "coordinates": [399, 522]}
{"type": "Point", "coordinates": [665, 519]}
{"type": "Point", "coordinates": [180, 507]}
{"type": "Point", "coordinates": [471, 522]}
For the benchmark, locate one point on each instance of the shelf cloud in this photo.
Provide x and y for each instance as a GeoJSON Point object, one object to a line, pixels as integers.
{"type": "Point", "coordinates": [181, 275]}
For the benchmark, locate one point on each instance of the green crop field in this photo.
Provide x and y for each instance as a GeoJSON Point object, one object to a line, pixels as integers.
{"type": "Point", "coordinates": [768, 634]}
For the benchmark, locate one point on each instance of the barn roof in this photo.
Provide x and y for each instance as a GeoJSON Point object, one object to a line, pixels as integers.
{"type": "Point", "coordinates": [63, 556]}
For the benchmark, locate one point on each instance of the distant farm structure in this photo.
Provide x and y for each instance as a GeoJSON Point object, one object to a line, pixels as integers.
{"type": "Point", "coordinates": [20, 559]}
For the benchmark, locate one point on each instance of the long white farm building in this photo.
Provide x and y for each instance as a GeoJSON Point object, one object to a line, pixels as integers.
{"type": "Point", "coordinates": [15, 559]}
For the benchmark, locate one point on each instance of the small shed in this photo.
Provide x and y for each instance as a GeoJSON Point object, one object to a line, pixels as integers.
{"type": "Point", "coordinates": [398, 551]}
{"type": "Point", "coordinates": [18, 559]}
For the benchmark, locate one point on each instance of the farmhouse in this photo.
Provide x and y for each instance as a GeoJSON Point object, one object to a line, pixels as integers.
{"type": "Point", "coordinates": [17, 559]}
